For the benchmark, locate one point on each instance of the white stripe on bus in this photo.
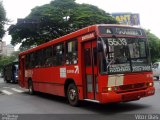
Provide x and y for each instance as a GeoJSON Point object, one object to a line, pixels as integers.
{"type": "Point", "coordinates": [115, 80]}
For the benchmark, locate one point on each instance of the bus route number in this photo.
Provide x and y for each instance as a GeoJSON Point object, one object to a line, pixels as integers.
{"type": "Point", "coordinates": [117, 42]}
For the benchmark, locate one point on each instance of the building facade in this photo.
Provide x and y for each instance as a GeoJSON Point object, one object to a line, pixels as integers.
{"type": "Point", "coordinates": [6, 50]}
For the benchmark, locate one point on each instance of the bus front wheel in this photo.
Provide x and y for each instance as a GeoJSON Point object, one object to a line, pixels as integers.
{"type": "Point", "coordinates": [72, 94]}
{"type": "Point", "coordinates": [30, 87]}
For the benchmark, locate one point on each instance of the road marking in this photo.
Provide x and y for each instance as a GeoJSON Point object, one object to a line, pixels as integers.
{"type": "Point", "coordinates": [17, 90]}
{"type": "Point", "coordinates": [6, 87]}
{"type": "Point", "coordinates": [6, 92]}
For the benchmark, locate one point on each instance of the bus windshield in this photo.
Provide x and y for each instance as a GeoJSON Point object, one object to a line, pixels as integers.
{"type": "Point", "coordinates": [125, 55]}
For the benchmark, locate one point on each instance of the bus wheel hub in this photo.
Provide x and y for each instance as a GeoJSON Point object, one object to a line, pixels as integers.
{"type": "Point", "coordinates": [72, 94]}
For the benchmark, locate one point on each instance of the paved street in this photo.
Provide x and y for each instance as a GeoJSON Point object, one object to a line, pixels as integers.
{"type": "Point", "coordinates": [14, 99]}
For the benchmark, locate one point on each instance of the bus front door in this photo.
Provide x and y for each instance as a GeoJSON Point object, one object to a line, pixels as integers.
{"type": "Point", "coordinates": [90, 63]}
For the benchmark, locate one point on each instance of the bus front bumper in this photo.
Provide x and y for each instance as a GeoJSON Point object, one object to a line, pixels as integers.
{"type": "Point", "coordinates": [127, 96]}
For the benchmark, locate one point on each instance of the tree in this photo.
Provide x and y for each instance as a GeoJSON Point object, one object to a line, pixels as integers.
{"type": "Point", "coordinates": [2, 20]}
{"type": "Point", "coordinates": [56, 19]}
{"type": "Point", "coordinates": [154, 44]}
{"type": "Point", "coordinates": [8, 59]}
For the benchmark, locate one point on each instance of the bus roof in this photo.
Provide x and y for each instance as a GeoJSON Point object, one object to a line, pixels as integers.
{"type": "Point", "coordinates": [72, 35]}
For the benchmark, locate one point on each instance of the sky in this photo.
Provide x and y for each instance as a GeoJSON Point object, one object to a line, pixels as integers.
{"type": "Point", "coordinates": [148, 10]}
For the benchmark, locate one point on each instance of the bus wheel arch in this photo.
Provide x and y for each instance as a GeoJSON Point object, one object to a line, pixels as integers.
{"type": "Point", "coordinates": [71, 92]}
{"type": "Point", "coordinates": [30, 86]}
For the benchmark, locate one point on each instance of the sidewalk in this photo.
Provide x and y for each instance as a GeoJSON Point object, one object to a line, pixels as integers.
{"type": "Point", "coordinates": [1, 80]}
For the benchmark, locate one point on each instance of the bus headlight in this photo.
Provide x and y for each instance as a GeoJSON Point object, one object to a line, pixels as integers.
{"type": "Point", "coordinates": [106, 89]}
{"type": "Point", "coordinates": [109, 89]}
{"type": "Point", "coordinates": [150, 84]}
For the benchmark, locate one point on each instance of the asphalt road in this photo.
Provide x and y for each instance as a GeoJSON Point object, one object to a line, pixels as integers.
{"type": "Point", "coordinates": [15, 100]}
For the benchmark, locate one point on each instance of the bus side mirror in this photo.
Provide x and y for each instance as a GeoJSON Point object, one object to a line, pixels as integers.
{"type": "Point", "coordinates": [100, 47]}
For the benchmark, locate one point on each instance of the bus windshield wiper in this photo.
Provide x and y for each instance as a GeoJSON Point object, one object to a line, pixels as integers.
{"type": "Point", "coordinates": [109, 62]}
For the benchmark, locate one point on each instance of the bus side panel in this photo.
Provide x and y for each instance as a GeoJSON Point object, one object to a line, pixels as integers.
{"type": "Point", "coordinates": [56, 76]}
{"type": "Point", "coordinates": [102, 83]}
{"type": "Point", "coordinates": [74, 73]}
{"type": "Point", "coordinates": [46, 75]}
{"type": "Point", "coordinates": [54, 89]}
{"type": "Point", "coordinates": [50, 80]}
{"type": "Point", "coordinates": [47, 80]}
{"type": "Point", "coordinates": [81, 75]}
{"type": "Point", "coordinates": [21, 72]}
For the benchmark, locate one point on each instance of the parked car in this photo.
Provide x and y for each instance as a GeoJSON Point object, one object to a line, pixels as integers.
{"type": "Point", "coordinates": [156, 70]}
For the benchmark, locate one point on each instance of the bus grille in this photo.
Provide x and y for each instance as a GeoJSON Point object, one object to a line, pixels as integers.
{"type": "Point", "coordinates": [131, 86]}
{"type": "Point", "coordinates": [133, 96]}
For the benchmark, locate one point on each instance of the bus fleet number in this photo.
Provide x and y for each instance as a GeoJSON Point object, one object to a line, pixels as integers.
{"type": "Point", "coordinates": [116, 42]}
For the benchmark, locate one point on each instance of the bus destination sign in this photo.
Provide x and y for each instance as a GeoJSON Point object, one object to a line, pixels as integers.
{"type": "Point", "coordinates": [128, 31]}
{"type": "Point", "coordinates": [121, 31]}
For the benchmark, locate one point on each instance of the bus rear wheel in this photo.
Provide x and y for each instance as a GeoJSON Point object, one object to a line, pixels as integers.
{"type": "Point", "coordinates": [72, 94]}
{"type": "Point", "coordinates": [7, 81]}
{"type": "Point", "coordinates": [30, 88]}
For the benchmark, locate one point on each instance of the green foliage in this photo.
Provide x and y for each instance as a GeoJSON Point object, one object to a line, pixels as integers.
{"type": "Point", "coordinates": [56, 19]}
{"type": "Point", "coordinates": [61, 17]}
{"type": "Point", "coordinates": [8, 59]}
{"type": "Point", "coordinates": [2, 20]}
{"type": "Point", "coordinates": [154, 43]}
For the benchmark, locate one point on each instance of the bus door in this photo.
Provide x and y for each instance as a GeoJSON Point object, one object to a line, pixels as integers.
{"type": "Point", "coordinates": [90, 65]}
{"type": "Point", "coordinates": [22, 71]}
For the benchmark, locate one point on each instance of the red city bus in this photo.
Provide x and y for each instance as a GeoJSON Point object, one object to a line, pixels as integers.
{"type": "Point", "coordinates": [100, 63]}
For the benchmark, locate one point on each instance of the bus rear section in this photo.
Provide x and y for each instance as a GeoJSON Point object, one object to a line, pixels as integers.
{"type": "Point", "coordinates": [10, 72]}
{"type": "Point", "coordinates": [100, 63]}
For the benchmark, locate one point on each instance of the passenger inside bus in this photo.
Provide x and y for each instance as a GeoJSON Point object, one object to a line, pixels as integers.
{"type": "Point", "coordinates": [120, 55]}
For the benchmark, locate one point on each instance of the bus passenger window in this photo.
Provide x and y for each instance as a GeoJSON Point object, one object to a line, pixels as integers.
{"type": "Point", "coordinates": [44, 58]}
{"type": "Point", "coordinates": [32, 60]}
{"type": "Point", "coordinates": [48, 60]}
{"type": "Point", "coordinates": [72, 52]}
{"type": "Point", "coordinates": [39, 58]}
{"type": "Point", "coordinates": [27, 61]}
{"type": "Point", "coordinates": [58, 55]}
{"type": "Point", "coordinates": [54, 56]}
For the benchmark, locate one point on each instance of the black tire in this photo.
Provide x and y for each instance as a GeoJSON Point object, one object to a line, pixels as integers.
{"type": "Point", "coordinates": [7, 81]}
{"type": "Point", "coordinates": [4, 79]}
{"type": "Point", "coordinates": [30, 88]}
{"type": "Point", "coordinates": [72, 94]}
{"type": "Point", "coordinates": [157, 78]}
